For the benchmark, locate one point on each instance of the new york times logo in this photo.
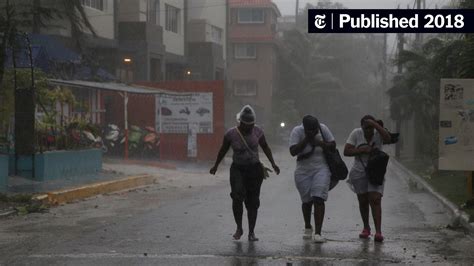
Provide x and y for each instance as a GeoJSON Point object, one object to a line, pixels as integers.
{"type": "Point", "coordinates": [319, 21]}
{"type": "Point", "coordinates": [390, 20]}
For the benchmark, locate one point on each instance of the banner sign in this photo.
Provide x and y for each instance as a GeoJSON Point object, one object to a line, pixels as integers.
{"type": "Point", "coordinates": [456, 125]}
{"type": "Point", "coordinates": [174, 113]}
{"type": "Point", "coordinates": [391, 20]}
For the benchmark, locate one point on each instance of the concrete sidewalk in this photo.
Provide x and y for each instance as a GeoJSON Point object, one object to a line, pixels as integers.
{"type": "Point", "coordinates": [69, 189]}
{"type": "Point", "coordinates": [116, 175]}
{"type": "Point", "coordinates": [459, 217]}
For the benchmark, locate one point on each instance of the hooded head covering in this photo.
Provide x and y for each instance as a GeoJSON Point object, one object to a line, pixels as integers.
{"type": "Point", "coordinates": [310, 122]}
{"type": "Point", "coordinates": [246, 115]}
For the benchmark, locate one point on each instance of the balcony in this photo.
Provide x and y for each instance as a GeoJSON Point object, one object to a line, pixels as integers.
{"type": "Point", "coordinates": [146, 33]}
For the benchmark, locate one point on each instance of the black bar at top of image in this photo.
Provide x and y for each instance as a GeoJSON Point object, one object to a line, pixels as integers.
{"type": "Point", "coordinates": [329, 20]}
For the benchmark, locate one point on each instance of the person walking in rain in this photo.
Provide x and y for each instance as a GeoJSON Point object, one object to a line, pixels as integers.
{"type": "Point", "coordinates": [371, 135]}
{"type": "Point", "coordinates": [312, 174]}
{"type": "Point", "coordinates": [245, 172]}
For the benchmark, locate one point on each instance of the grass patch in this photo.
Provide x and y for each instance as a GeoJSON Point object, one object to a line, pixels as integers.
{"type": "Point", "coordinates": [450, 184]}
{"type": "Point", "coordinates": [22, 203]}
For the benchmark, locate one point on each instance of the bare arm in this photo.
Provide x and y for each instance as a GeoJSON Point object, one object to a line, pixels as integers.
{"type": "Point", "coordinates": [298, 148]}
{"type": "Point", "coordinates": [385, 135]}
{"type": "Point", "coordinates": [350, 150]}
{"type": "Point", "coordinates": [268, 152]}
{"type": "Point", "coordinates": [222, 152]}
{"type": "Point", "coordinates": [328, 145]}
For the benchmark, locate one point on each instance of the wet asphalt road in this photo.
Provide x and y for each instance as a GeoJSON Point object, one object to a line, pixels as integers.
{"type": "Point", "coordinates": [190, 223]}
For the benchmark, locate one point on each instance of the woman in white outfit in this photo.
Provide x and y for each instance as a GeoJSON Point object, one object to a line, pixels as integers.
{"type": "Point", "coordinates": [371, 135]}
{"type": "Point", "coordinates": [312, 175]}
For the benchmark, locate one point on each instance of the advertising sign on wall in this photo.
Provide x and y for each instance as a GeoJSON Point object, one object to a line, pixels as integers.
{"type": "Point", "coordinates": [456, 125]}
{"type": "Point", "coordinates": [174, 113]}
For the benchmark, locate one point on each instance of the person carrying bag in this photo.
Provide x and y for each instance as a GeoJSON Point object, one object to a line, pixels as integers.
{"type": "Point", "coordinates": [366, 177]}
{"type": "Point", "coordinates": [246, 172]}
{"type": "Point", "coordinates": [312, 174]}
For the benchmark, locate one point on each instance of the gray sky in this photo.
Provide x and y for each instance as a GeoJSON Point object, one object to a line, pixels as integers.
{"type": "Point", "coordinates": [287, 7]}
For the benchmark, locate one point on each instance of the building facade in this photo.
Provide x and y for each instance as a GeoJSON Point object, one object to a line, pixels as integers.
{"type": "Point", "coordinates": [206, 39]}
{"type": "Point", "coordinates": [251, 58]}
{"type": "Point", "coordinates": [151, 35]}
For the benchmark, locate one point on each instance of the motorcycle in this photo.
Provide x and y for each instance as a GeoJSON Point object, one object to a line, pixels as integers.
{"type": "Point", "coordinates": [94, 141]}
{"type": "Point", "coordinates": [151, 143]}
{"type": "Point", "coordinates": [135, 140]}
{"type": "Point", "coordinates": [114, 139]}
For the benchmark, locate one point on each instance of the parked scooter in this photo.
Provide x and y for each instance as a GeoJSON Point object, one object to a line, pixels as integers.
{"type": "Point", "coordinates": [114, 139]}
{"type": "Point", "coordinates": [94, 141]}
{"type": "Point", "coordinates": [151, 143]}
{"type": "Point", "coordinates": [135, 140]}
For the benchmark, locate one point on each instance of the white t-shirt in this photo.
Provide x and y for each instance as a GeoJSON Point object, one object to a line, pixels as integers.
{"type": "Point", "coordinates": [316, 160]}
{"type": "Point", "coordinates": [357, 138]}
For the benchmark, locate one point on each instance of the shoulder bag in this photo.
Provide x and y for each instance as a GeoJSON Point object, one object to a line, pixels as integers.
{"type": "Point", "coordinates": [335, 163]}
{"type": "Point", "coordinates": [263, 171]}
{"type": "Point", "coordinates": [376, 166]}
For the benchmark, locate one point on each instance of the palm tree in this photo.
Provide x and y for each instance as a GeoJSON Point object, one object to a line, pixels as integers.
{"type": "Point", "coordinates": [416, 91]}
{"type": "Point", "coordinates": [22, 16]}
{"type": "Point", "coordinates": [17, 17]}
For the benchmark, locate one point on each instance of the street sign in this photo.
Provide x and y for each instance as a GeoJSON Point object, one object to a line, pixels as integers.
{"type": "Point", "coordinates": [174, 113]}
{"type": "Point", "coordinates": [456, 125]}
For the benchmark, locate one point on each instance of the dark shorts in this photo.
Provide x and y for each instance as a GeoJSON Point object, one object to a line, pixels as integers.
{"type": "Point", "coordinates": [245, 184]}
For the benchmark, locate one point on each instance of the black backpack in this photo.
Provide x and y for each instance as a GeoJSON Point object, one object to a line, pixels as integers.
{"type": "Point", "coordinates": [376, 166]}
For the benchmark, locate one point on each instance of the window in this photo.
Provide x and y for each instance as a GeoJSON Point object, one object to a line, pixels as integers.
{"type": "Point", "coordinates": [248, 15]}
{"type": "Point", "coordinates": [216, 34]}
{"type": "Point", "coordinates": [172, 18]}
{"type": "Point", "coordinates": [245, 51]}
{"type": "Point", "coordinates": [245, 87]}
{"type": "Point", "coordinates": [96, 4]}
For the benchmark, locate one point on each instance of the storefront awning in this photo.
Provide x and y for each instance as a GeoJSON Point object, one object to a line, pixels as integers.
{"type": "Point", "coordinates": [112, 86]}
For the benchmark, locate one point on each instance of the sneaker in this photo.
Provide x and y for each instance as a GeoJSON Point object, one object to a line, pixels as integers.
{"type": "Point", "coordinates": [308, 233]}
{"type": "Point", "coordinates": [378, 237]}
{"type": "Point", "coordinates": [365, 234]}
{"type": "Point", "coordinates": [318, 239]}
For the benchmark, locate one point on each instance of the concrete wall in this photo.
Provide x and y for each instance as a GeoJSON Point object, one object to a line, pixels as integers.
{"type": "Point", "coordinates": [197, 30]}
{"type": "Point", "coordinates": [214, 12]}
{"type": "Point", "coordinates": [102, 22]}
{"type": "Point", "coordinates": [174, 42]}
{"type": "Point", "coordinates": [141, 41]}
{"type": "Point", "coordinates": [141, 112]}
{"type": "Point", "coordinates": [59, 164]}
{"type": "Point", "coordinates": [204, 59]}
{"type": "Point", "coordinates": [132, 10]}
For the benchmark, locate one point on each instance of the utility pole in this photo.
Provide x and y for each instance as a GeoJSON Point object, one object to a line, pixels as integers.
{"type": "Point", "coordinates": [297, 7]}
{"type": "Point", "coordinates": [419, 37]}
{"type": "Point", "coordinates": [384, 75]}
{"type": "Point", "coordinates": [401, 41]}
